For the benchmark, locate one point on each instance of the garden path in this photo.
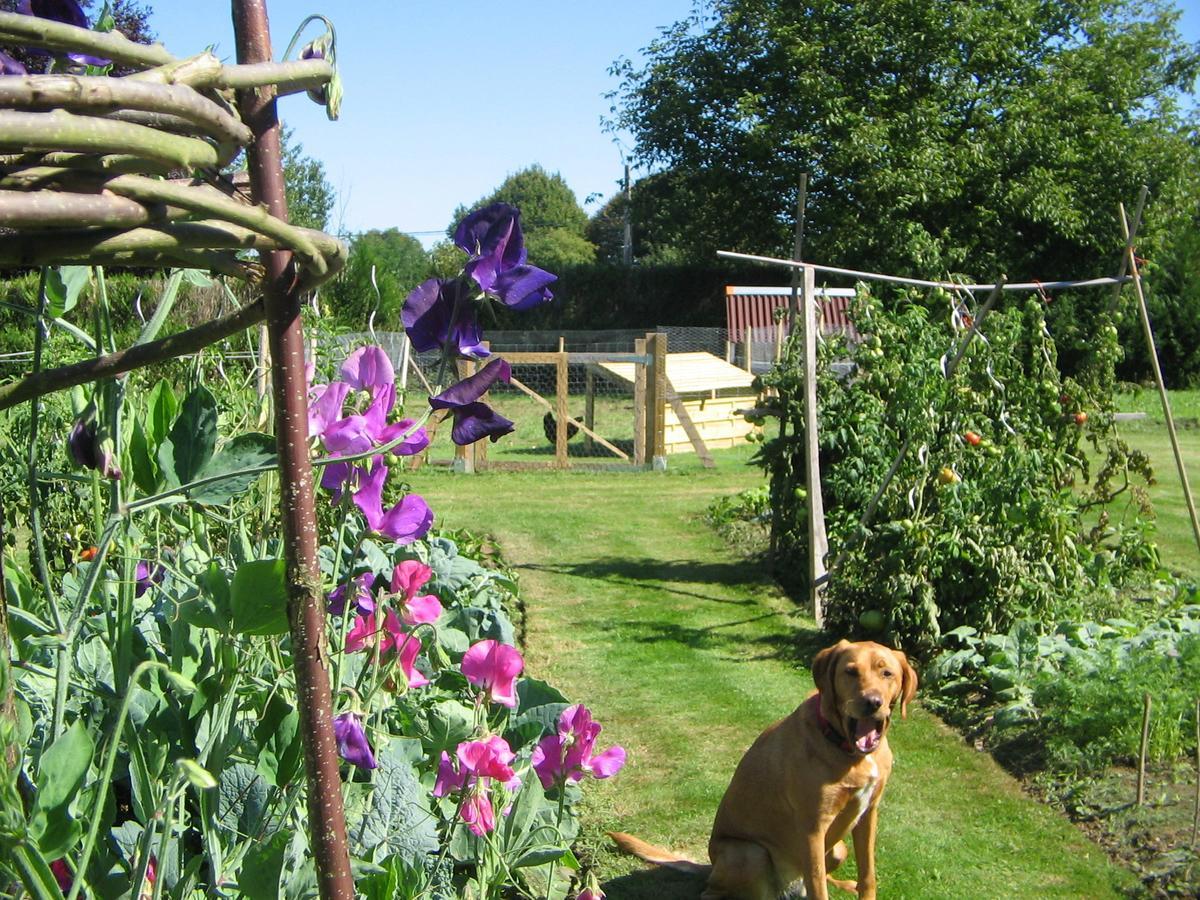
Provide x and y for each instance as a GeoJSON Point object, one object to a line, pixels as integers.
{"type": "Point", "coordinates": [684, 652]}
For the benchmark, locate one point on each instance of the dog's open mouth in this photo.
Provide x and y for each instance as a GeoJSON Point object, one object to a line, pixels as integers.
{"type": "Point", "coordinates": [867, 734]}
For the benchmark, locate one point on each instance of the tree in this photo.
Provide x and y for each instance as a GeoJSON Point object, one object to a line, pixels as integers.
{"type": "Point", "coordinates": [309, 194]}
{"type": "Point", "coordinates": [399, 263]}
{"type": "Point", "coordinates": [551, 218]}
{"type": "Point", "coordinates": [939, 136]}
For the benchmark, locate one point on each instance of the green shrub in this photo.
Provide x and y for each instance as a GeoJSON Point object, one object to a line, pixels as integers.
{"type": "Point", "coordinates": [994, 514]}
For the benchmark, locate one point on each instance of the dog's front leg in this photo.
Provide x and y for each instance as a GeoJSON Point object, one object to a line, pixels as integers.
{"type": "Point", "coordinates": [813, 861]}
{"type": "Point", "coordinates": [864, 851]}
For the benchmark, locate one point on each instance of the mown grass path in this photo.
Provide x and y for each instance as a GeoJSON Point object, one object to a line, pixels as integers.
{"type": "Point", "coordinates": [684, 652]}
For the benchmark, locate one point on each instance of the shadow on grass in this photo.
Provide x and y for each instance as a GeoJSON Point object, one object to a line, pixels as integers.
{"type": "Point", "coordinates": [791, 641]}
{"type": "Point", "coordinates": [638, 572]}
{"type": "Point", "coordinates": [654, 884]}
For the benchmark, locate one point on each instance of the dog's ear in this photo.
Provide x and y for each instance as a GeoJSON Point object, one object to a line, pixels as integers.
{"type": "Point", "coordinates": [908, 683]}
{"type": "Point", "coordinates": [823, 669]}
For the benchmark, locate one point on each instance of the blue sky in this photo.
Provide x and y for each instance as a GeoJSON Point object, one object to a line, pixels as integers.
{"type": "Point", "coordinates": [443, 100]}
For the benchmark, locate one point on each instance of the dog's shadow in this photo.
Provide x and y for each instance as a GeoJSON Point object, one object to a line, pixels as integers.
{"type": "Point", "coordinates": [655, 884]}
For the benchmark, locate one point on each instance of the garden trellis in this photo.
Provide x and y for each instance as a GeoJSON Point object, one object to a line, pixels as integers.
{"type": "Point", "coordinates": [84, 179]}
{"type": "Point", "coordinates": [968, 327]}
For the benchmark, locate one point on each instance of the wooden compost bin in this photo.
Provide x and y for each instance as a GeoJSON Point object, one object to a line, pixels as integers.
{"type": "Point", "coordinates": [708, 390]}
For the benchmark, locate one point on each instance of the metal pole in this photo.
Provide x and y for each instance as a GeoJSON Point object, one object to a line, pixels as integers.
{"type": "Point", "coordinates": [306, 606]}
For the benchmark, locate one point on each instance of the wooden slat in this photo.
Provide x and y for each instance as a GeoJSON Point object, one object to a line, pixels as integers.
{"type": "Point", "coordinates": [534, 395]}
{"type": "Point", "coordinates": [693, 435]}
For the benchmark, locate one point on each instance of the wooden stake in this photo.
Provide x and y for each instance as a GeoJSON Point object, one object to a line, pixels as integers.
{"type": "Point", "coordinates": [640, 409]}
{"type": "Point", "coordinates": [1141, 776]}
{"type": "Point", "coordinates": [818, 540]}
{"type": "Point", "coordinates": [561, 458]}
{"type": "Point", "coordinates": [1164, 399]}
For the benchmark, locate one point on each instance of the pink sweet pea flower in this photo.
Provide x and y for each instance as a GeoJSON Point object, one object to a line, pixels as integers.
{"type": "Point", "coordinates": [476, 765]}
{"type": "Point", "coordinates": [391, 637]}
{"type": "Point", "coordinates": [567, 756]}
{"type": "Point", "coordinates": [408, 578]}
{"type": "Point", "coordinates": [494, 667]}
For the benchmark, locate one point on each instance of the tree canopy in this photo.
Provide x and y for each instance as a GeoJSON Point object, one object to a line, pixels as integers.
{"type": "Point", "coordinates": [552, 220]}
{"type": "Point", "coordinates": [938, 136]}
{"type": "Point", "coordinates": [399, 263]}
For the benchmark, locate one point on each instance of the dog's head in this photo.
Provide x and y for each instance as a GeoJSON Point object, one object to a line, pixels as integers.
{"type": "Point", "coordinates": [859, 684]}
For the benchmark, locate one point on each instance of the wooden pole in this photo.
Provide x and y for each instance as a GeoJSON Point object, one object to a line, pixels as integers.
{"type": "Point", "coordinates": [1164, 399]}
{"type": "Point", "coordinates": [464, 455]}
{"type": "Point", "coordinates": [560, 390]}
{"type": "Point", "coordinates": [640, 409]}
{"type": "Point", "coordinates": [1141, 775]}
{"type": "Point", "coordinates": [589, 407]}
{"type": "Point", "coordinates": [306, 598]}
{"type": "Point", "coordinates": [748, 349]}
{"type": "Point", "coordinates": [818, 541]}
{"type": "Point", "coordinates": [797, 253]}
{"type": "Point", "coordinates": [656, 400]}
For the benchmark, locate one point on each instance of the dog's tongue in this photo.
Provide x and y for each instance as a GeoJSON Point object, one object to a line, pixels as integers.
{"type": "Point", "coordinates": [866, 735]}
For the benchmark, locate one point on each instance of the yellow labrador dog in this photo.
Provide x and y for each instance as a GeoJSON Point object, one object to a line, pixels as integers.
{"type": "Point", "coordinates": [807, 782]}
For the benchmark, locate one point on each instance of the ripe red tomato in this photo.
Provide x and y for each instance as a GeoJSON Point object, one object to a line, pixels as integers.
{"type": "Point", "coordinates": [972, 438]}
{"type": "Point", "coordinates": [1080, 418]}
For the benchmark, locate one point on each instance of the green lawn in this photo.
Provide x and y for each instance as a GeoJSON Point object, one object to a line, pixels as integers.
{"type": "Point", "coordinates": [685, 651]}
{"type": "Point", "coordinates": [1176, 542]}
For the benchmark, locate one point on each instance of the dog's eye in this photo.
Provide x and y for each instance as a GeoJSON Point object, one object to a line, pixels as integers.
{"type": "Point", "coordinates": [851, 670]}
{"type": "Point", "coordinates": [887, 673]}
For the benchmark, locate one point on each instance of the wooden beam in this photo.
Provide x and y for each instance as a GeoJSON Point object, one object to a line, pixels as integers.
{"type": "Point", "coordinates": [818, 541]}
{"type": "Point", "coordinates": [640, 410]}
{"type": "Point", "coordinates": [689, 427]}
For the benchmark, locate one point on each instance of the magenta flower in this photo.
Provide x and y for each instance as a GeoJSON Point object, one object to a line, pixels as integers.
{"type": "Point", "coordinates": [567, 756]}
{"type": "Point", "coordinates": [364, 600]}
{"type": "Point", "coordinates": [492, 238]}
{"type": "Point", "coordinates": [494, 667]}
{"type": "Point", "coordinates": [409, 520]}
{"type": "Point", "coordinates": [368, 371]}
{"type": "Point", "coordinates": [476, 765]}
{"type": "Point", "coordinates": [473, 419]}
{"type": "Point", "coordinates": [390, 638]}
{"type": "Point", "coordinates": [352, 740]}
{"type": "Point", "coordinates": [408, 578]}
{"type": "Point", "coordinates": [441, 312]}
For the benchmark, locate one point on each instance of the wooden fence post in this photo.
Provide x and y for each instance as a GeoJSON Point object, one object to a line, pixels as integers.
{"type": "Point", "coordinates": [560, 390]}
{"type": "Point", "coordinates": [464, 457]}
{"type": "Point", "coordinates": [656, 400]}
{"type": "Point", "coordinates": [640, 409]}
{"type": "Point", "coordinates": [748, 348]}
{"type": "Point", "coordinates": [1143, 752]}
{"type": "Point", "coordinates": [818, 541]}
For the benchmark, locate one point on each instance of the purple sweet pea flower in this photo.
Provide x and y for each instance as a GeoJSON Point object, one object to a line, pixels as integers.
{"type": "Point", "coordinates": [89, 451]}
{"type": "Point", "coordinates": [368, 370]}
{"type": "Point", "coordinates": [439, 313]}
{"type": "Point", "coordinates": [67, 11]}
{"type": "Point", "coordinates": [407, 521]}
{"type": "Point", "coordinates": [145, 577]}
{"type": "Point", "coordinates": [474, 420]}
{"type": "Point", "coordinates": [364, 600]}
{"type": "Point", "coordinates": [492, 239]}
{"type": "Point", "coordinates": [10, 66]}
{"type": "Point", "coordinates": [352, 740]}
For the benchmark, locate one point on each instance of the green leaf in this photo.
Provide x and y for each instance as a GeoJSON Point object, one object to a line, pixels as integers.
{"type": "Point", "coordinates": [398, 817]}
{"type": "Point", "coordinates": [63, 766]}
{"type": "Point", "coordinates": [245, 451]}
{"type": "Point", "coordinates": [278, 737]}
{"type": "Point", "coordinates": [145, 469]}
{"type": "Point", "coordinates": [191, 440]}
{"type": "Point", "coordinates": [161, 408]}
{"type": "Point", "coordinates": [259, 877]}
{"type": "Point", "coordinates": [258, 597]}
{"type": "Point", "coordinates": [63, 287]}
{"type": "Point", "coordinates": [242, 797]}
{"type": "Point", "coordinates": [199, 777]}
{"type": "Point", "coordinates": [61, 771]}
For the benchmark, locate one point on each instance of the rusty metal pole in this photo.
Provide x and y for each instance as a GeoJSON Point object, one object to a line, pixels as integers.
{"type": "Point", "coordinates": [306, 606]}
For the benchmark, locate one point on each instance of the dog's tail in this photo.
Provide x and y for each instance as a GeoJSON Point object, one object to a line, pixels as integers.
{"type": "Point", "coordinates": [627, 843]}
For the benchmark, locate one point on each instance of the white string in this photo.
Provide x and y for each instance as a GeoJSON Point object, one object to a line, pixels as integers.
{"type": "Point", "coordinates": [918, 282]}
